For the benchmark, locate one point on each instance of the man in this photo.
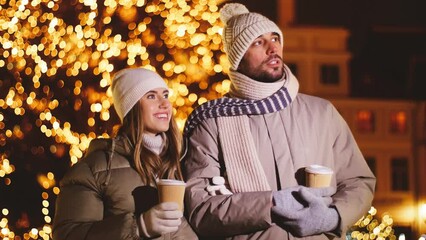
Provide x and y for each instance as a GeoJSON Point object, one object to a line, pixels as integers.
{"type": "Point", "coordinates": [246, 152]}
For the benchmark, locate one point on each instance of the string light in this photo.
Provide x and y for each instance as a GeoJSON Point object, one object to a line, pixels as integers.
{"type": "Point", "coordinates": [57, 59]}
{"type": "Point", "coordinates": [368, 227]}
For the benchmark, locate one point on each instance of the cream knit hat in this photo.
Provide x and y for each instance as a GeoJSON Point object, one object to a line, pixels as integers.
{"type": "Point", "coordinates": [241, 29]}
{"type": "Point", "coordinates": [129, 86]}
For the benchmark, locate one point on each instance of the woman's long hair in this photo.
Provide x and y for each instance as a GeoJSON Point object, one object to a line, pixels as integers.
{"type": "Point", "coordinates": [148, 164]}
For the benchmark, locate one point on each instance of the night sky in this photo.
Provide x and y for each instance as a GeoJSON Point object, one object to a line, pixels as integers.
{"type": "Point", "coordinates": [387, 41]}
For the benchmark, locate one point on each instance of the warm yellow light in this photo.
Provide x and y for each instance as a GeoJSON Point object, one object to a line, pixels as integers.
{"type": "Point", "coordinates": [4, 211]}
{"type": "Point", "coordinates": [78, 58]}
{"type": "Point", "coordinates": [34, 231]}
{"type": "Point", "coordinates": [3, 222]}
{"type": "Point", "coordinates": [45, 211]}
{"type": "Point", "coordinates": [423, 212]}
{"type": "Point", "coordinates": [5, 231]}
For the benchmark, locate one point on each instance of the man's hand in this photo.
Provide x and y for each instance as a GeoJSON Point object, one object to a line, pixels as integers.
{"type": "Point", "coordinates": [315, 217]}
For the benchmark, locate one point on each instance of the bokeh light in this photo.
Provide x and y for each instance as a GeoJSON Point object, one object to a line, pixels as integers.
{"type": "Point", "coordinates": [57, 59]}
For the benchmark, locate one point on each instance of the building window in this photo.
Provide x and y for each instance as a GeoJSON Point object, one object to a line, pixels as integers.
{"type": "Point", "coordinates": [371, 161]}
{"type": "Point", "coordinates": [293, 68]}
{"type": "Point", "coordinates": [365, 121]}
{"type": "Point", "coordinates": [398, 122]}
{"type": "Point", "coordinates": [400, 174]}
{"type": "Point", "coordinates": [330, 74]}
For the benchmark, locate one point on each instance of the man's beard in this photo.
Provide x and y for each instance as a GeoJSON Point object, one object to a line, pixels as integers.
{"type": "Point", "coordinates": [267, 77]}
{"type": "Point", "coordinates": [262, 75]}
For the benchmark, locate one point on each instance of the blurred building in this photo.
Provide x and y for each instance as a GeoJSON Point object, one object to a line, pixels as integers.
{"type": "Point", "coordinates": [391, 132]}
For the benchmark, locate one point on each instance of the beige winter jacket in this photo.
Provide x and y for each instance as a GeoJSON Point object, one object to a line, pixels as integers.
{"type": "Point", "coordinates": [102, 197]}
{"type": "Point", "coordinates": [309, 131]}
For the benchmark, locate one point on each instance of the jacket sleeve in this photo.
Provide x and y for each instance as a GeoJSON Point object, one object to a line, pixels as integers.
{"type": "Point", "coordinates": [221, 215]}
{"type": "Point", "coordinates": [355, 181]}
{"type": "Point", "coordinates": [79, 210]}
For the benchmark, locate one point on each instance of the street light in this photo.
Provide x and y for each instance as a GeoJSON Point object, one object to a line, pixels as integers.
{"type": "Point", "coordinates": [423, 212]}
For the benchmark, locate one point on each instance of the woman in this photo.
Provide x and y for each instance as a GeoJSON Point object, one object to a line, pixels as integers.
{"type": "Point", "coordinates": [110, 193]}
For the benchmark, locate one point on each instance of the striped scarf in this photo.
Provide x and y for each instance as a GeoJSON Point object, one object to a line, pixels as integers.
{"type": "Point", "coordinates": [226, 107]}
{"type": "Point", "coordinates": [244, 170]}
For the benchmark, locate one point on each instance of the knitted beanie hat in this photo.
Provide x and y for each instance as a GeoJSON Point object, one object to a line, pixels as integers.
{"type": "Point", "coordinates": [241, 29]}
{"type": "Point", "coordinates": [129, 86]}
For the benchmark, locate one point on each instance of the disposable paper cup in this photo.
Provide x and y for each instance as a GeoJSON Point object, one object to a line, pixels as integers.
{"type": "Point", "coordinates": [318, 176]}
{"type": "Point", "coordinates": [170, 190]}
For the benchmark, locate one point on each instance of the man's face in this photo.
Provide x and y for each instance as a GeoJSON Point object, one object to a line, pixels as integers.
{"type": "Point", "coordinates": [263, 60]}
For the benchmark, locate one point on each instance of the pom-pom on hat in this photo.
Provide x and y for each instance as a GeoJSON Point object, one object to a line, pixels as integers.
{"type": "Point", "coordinates": [241, 29]}
{"type": "Point", "coordinates": [129, 86]}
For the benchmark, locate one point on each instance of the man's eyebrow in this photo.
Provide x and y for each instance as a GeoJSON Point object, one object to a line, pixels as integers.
{"type": "Point", "coordinates": [273, 33]}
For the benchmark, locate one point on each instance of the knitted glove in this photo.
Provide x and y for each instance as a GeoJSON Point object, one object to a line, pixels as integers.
{"type": "Point", "coordinates": [287, 200]}
{"type": "Point", "coordinates": [316, 218]}
{"type": "Point", "coordinates": [161, 219]}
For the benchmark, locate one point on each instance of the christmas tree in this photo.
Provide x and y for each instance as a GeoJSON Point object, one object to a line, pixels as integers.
{"type": "Point", "coordinates": [57, 60]}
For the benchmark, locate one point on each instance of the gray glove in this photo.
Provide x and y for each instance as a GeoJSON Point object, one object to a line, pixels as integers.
{"type": "Point", "coordinates": [316, 218]}
{"type": "Point", "coordinates": [290, 200]}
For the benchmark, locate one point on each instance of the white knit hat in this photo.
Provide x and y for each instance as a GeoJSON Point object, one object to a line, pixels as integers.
{"type": "Point", "coordinates": [129, 86]}
{"type": "Point", "coordinates": [241, 29]}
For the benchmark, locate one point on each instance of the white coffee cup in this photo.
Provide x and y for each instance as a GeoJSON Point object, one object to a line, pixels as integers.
{"type": "Point", "coordinates": [170, 190]}
{"type": "Point", "coordinates": [318, 176]}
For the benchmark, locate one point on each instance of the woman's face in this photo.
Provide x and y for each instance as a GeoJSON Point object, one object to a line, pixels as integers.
{"type": "Point", "coordinates": [156, 111]}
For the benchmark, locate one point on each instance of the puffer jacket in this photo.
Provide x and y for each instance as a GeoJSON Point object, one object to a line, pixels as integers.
{"type": "Point", "coordinates": [102, 197]}
{"type": "Point", "coordinates": [309, 131]}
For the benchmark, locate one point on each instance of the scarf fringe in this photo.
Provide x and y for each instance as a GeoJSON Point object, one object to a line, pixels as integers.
{"type": "Point", "coordinates": [243, 167]}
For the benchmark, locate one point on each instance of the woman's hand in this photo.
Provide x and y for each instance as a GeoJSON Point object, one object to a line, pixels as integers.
{"type": "Point", "coordinates": [162, 218]}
